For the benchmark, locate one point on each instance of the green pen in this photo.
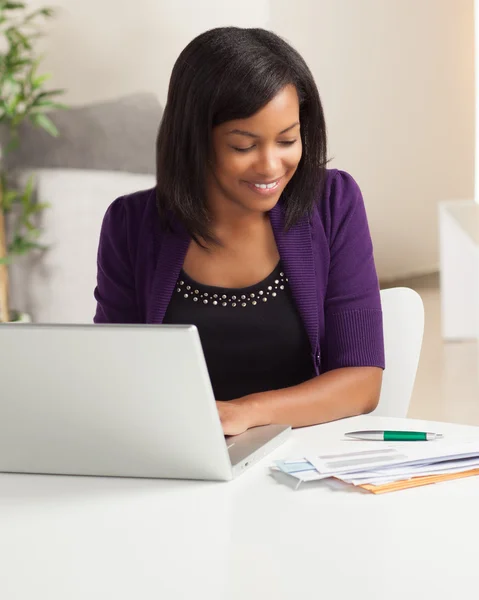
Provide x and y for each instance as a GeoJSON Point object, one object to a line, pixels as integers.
{"type": "Point", "coordinates": [394, 436]}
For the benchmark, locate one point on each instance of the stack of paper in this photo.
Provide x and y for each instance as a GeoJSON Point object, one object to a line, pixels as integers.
{"type": "Point", "coordinates": [379, 467]}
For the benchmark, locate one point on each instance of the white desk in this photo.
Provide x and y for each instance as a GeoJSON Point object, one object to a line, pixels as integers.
{"type": "Point", "coordinates": [73, 538]}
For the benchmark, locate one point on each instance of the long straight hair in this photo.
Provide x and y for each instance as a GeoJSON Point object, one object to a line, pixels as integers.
{"type": "Point", "coordinates": [224, 74]}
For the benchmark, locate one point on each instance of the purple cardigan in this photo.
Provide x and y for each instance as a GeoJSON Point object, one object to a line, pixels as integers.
{"type": "Point", "coordinates": [328, 260]}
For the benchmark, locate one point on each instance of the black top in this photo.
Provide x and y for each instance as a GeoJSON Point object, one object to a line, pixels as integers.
{"type": "Point", "coordinates": [253, 338]}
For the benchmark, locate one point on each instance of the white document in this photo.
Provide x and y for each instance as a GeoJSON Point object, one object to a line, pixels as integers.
{"type": "Point", "coordinates": [382, 478]}
{"type": "Point", "coordinates": [367, 457]}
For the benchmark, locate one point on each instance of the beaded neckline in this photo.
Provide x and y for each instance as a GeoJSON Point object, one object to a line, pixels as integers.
{"type": "Point", "coordinates": [268, 289]}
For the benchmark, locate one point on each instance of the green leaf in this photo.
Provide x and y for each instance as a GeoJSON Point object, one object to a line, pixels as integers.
{"type": "Point", "coordinates": [12, 145]}
{"type": "Point", "coordinates": [20, 62]}
{"type": "Point", "coordinates": [41, 120]}
{"type": "Point", "coordinates": [12, 5]}
{"type": "Point", "coordinates": [42, 12]}
{"type": "Point", "coordinates": [27, 194]}
{"type": "Point", "coordinates": [47, 106]}
{"type": "Point", "coordinates": [39, 81]}
{"type": "Point", "coordinates": [9, 197]}
{"type": "Point", "coordinates": [40, 97]}
{"type": "Point", "coordinates": [22, 245]}
{"type": "Point", "coordinates": [38, 207]}
{"type": "Point", "coordinates": [6, 260]}
{"type": "Point", "coordinates": [17, 38]}
{"type": "Point", "coordinates": [32, 230]}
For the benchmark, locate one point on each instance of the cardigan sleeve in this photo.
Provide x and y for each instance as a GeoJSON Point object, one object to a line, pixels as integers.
{"type": "Point", "coordinates": [115, 289]}
{"type": "Point", "coordinates": [353, 315]}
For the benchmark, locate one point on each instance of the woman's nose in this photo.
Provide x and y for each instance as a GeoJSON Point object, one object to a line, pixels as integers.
{"type": "Point", "coordinates": [268, 164]}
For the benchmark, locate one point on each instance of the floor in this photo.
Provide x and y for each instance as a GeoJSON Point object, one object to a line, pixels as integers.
{"type": "Point", "coordinates": [447, 381]}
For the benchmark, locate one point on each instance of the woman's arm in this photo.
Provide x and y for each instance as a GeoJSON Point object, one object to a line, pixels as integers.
{"type": "Point", "coordinates": [352, 348]}
{"type": "Point", "coordinates": [115, 289]}
{"type": "Point", "coordinates": [340, 393]}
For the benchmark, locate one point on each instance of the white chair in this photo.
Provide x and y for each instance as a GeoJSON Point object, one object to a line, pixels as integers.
{"type": "Point", "coordinates": [403, 321]}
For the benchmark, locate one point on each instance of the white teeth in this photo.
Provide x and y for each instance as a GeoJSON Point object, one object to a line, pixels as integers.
{"type": "Point", "coordinates": [264, 186]}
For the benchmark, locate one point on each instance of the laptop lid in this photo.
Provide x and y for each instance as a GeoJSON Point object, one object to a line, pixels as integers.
{"type": "Point", "coordinates": [118, 400]}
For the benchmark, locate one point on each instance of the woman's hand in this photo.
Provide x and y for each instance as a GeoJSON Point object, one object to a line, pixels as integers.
{"type": "Point", "coordinates": [236, 416]}
{"type": "Point", "coordinates": [336, 394]}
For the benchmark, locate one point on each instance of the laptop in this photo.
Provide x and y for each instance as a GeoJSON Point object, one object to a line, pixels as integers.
{"type": "Point", "coordinates": [116, 400]}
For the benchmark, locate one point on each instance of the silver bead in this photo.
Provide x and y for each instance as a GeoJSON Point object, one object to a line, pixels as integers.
{"type": "Point", "coordinates": [243, 297]}
{"type": "Point", "coordinates": [273, 294]}
{"type": "Point", "coordinates": [281, 287]}
{"type": "Point", "coordinates": [215, 302]}
{"type": "Point", "coordinates": [197, 292]}
{"type": "Point", "coordinates": [265, 299]}
{"type": "Point", "coordinates": [205, 294]}
{"type": "Point", "coordinates": [186, 296]}
{"type": "Point", "coordinates": [195, 299]}
{"type": "Point", "coordinates": [281, 274]}
{"type": "Point", "coordinates": [223, 297]}
{"type": "Point", "coordinates": [243, 304]}
{"type": "Point", "coordinates": [205, 301]}
{"type": "Point", "coordinates": [215, 296]}
{"type": "Point", "coordinates": [270, 287]}
{"type": "Point", "coordinates": [224, 303]}
{"type": "Point", "coordinates": [233, 297]}
{"type": "Point", "coordinates": [252, 295]}
{"type": "Point", "coordinates": [188, 287]}
{"type": "Point", "coordinates": [286, 279]}
{"type": "Point", "coordinates": [178, 289]}
{"type": "Point", "coordinates": [182, 283]}
{"type": "Point", "coordinates": [276, 281]}
{"type": "Point", "coordinates": [254, 303]}
{"type": "Point", "coordinates": [234, 304]}
{"type": "Point", "coordinates": [261, 292]}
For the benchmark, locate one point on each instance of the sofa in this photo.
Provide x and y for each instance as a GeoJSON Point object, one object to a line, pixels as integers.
{"type": "Point", "coordinates": [104, 151]}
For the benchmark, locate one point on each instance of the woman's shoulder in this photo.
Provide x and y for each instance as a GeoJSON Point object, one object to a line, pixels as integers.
{"type": "Point", "coordinates": [127, 224]}
{"type": "Point", "coordinates": [339, 201]}
{"type": "Point", "coordinates": [340, 190]}
{"type": "Point", "coordinates": [132, 207]}
{"type": "Point", "coordinates": [131, 215]}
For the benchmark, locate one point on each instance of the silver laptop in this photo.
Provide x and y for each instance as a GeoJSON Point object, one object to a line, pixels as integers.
{"type": "Point", "coordinates": [116, 400]}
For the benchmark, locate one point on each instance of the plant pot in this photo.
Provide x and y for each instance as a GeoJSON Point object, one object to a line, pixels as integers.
{"type": "Point", "coordinates": [19, 317]}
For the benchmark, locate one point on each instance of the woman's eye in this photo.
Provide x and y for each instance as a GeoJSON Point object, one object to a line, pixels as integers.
{"type": "Point", "coordinates": [282, 143]}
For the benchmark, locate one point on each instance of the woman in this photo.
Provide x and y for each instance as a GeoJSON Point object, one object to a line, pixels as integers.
{"type": "Point", "coordinates": [248, 236]}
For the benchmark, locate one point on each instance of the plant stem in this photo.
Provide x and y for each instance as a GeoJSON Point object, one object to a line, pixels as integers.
{"type": "Point", "coordinates": [4, 309]}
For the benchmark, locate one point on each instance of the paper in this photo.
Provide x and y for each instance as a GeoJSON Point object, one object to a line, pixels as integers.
{"type": "Point", "coordinates": [416, 482]}
{"type": "Point", "coordinates": [301, 469]}
{"type": "Point", "coordinates": [370, 457]}
{"type": "Point", "coordinates": [379, 467]}
{"type": "Point", "coordinates": [400, 473]}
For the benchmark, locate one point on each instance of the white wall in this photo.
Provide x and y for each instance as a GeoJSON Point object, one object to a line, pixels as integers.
{"type": "Point", "coordinates": [396, 78]}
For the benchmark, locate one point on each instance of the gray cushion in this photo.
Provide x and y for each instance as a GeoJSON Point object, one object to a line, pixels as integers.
{"type": "Point", "coordinates": [117, 135]}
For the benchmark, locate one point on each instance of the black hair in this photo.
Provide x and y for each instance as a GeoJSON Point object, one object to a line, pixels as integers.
{"type": "Point", "coordinates": [224, 74]}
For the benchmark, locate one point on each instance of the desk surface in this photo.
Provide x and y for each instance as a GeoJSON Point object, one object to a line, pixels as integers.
{"type": "Point", "coordinates": [72, 538]}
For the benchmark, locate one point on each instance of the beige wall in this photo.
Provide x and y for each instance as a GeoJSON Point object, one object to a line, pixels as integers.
{"type": "Point", "coordinates": [99, 49]}
{"type": "Point", "coordinates": [396, 78]}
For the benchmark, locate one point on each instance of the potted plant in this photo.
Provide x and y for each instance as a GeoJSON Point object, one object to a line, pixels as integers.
{"type": "Point", "coordinates": [23, 96]}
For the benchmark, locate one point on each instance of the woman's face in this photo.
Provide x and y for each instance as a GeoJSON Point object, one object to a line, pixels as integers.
{"type": "Point", "coordinates": [254, 158]}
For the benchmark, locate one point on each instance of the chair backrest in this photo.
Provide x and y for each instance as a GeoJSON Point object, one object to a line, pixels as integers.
{"type": "Point", "coordinates": [403, 322]}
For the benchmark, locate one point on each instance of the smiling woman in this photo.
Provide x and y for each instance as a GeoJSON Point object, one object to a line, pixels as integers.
{"type": "Point", "coordinates": [248, 236]}
{"type": "Point", "coordinates": [257, 156]}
